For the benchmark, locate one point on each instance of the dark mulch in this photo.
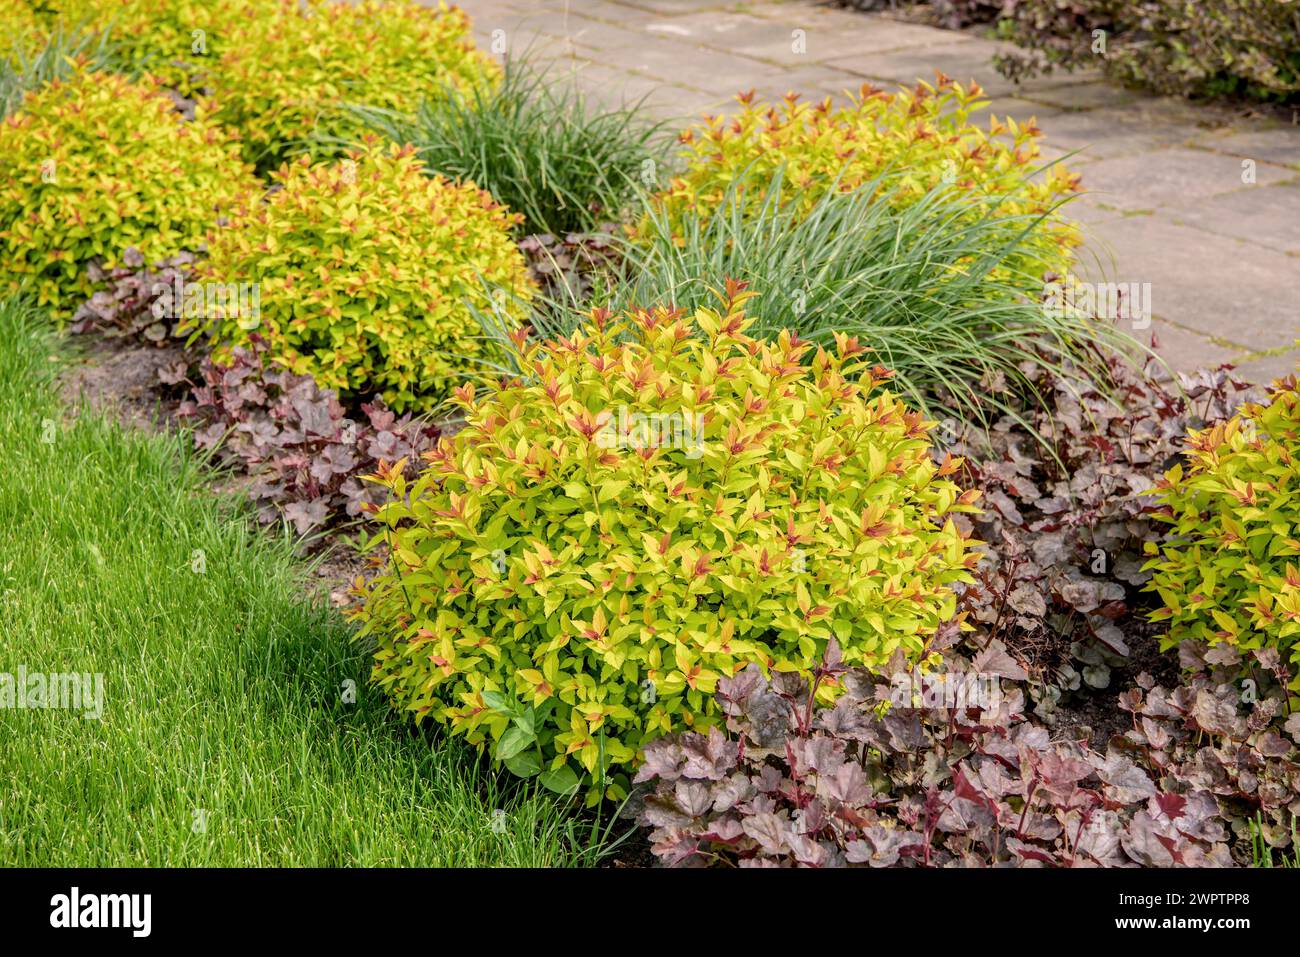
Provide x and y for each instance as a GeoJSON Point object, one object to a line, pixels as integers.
{"type": "Point", "coordinates": [119, 377]}
{"type": "Point", "coordinates": [1092, 712]}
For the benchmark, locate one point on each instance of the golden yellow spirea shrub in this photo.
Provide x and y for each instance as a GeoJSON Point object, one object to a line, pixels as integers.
{"type": "Point", "coordinates": [1230, 572]}
{"type": "Point", "coordinates": [94, 164]}
{"type": "Point", "coordinates": [284, 77]}
{"type": "Point", "coordinates": [21, 31]}
{"type": "Point", "coordinates": [925, 135]}
{"type": "Point", "coordinates": [178, 41]}
{"type": "Point", "coordinates": [366, 270]}
{"type": "Point", "coordinates": [661, 502]}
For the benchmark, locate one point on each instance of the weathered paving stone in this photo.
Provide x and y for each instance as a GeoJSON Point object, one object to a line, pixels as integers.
{"type": "Point", "coordinates": [1168, 177]}
{"type": "Point", "coordinates": [1166, 203]}
{"type": "Point", "coordinates": [1223, 288]}
{"type": "Point", "coordinates": [1076, 96]}
{"type": "Point", "coordinates": [674, 7]}
{"type": "Point", "coordinates": [612, 11]}
{"type": "Point", "coordinates": [615, 15]}
{"type": "Point", "coordinates": [711, 29]}
{"type": "Point", "coordinates": [679, 60]}
{"type": "Point", "coordinates": [1267, 368]}
{"type": "Point", "coordinates": [486, 8]}
{"type": "Point", "coordinates": [1074, 158]}
{"type": "Point", "coordinates": [964, 60]}
{"type": "Point", "coordinates": [794, 42]}
{"type": "Point", "coordinates": [1021, 110]}
{"type": "Point", "coordinates": [1265, 215]}
{"type": "Point", "coordinates": [609, 35]}
{"type": "Point", "coordinates": [616, 88]}
{"type": "Point", "coordinates": [504, 31]}
{"type": "Point", "coordinates": [1181, 349]}
{"type": "Point", "coordinates": [800, 37]}
{"type": "Point", "coordinates": [1107, 133]}
{"type": "Point", "coordinates": [1279, 146]}
{"type": "Point", "coordinates": [1059, 78]}
{"type": "Point", "coordinates": [1090, 212]}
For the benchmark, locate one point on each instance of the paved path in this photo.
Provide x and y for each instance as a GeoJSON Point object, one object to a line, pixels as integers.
{"type": "Point", "coordinates": [1166, 201]}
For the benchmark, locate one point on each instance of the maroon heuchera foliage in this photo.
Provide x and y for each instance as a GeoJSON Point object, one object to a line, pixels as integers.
{"type": "Point", "coordinates": [304, 455]}
{"type": "Point", "coordinates": [1220, 734]}
{"type": "Point", "coordinates": [796, 784]}
{"type": "Point", "coordinates": [1065, 525]}
{"type": "Point", "coordinates": [123, 307]}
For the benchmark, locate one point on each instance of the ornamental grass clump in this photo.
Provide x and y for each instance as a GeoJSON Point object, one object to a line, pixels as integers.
{"type": "Point", "coordinates": [283, 79]}
{"type": "Point", "coordinates": [1229, 572]}
{"type": "Point", "coordinates": [925, 133]}
{"type": "Point", "coordinates": [945, 288]}
{"type": "Point", "coordinates": [537, 144]}
{"type": "Point", "coordinates": [92, 165]}
{"type": "Point", "coordinates": [368, 274]}
{"type": "Point", "coordinates": [659, 502]}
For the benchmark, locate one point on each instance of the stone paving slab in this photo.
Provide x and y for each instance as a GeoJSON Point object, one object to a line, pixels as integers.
{"type": "Point", "coordinates": [1074, 97]}
{"type": "Point", "coordinates": [792, 41]}
{"type": "Point", "coordinates": [1166, 202]}
{"type": "Point", "coordinates": [1266, 216]}
{"type": "Point", "coordinates": [1182, 349]}
{"type": "Point", "coordinates": [1142, 127]}
{"type": "Point", "coordinates": [1146, 181]}
{"type": "Point", "coordinates": [619, 88]}
{"type": "Point", "coordinates": [1228, 291]}
{"type": "Point", "coordinates": [961, 60]}
{"type": "Point", "coordinates": [1276, 145]}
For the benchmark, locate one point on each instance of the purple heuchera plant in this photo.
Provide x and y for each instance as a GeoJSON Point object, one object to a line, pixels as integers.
{"type": "Point", "coordinates": [303, 454]}
{"type": "Point", "coordinates": [793, 783]}
{"type": "Point", "coordinates": [1216, 733]}
{"type": "Point", "coordinates": [1065, 528]}
{"type": "Point", "coordinates": [122, 306]}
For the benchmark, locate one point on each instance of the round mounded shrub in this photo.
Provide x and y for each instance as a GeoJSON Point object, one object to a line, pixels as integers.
{"type": "Point", "coordinates": [1231, 48]}
{"type": "Point", "coordinates": [925, 135]}
{"type": "Point", "coordinates": [94, 164]}
{"type": "Point", "coordinates": [178, 41]}
{"type": "Point", "coordinates": [367, 273]}
{"type": "Point", "coordinates": [1230, 570]}
{"type": "Point", "coordinates": [660, 503]}
{"type": "Point", "coordinates": [23, 30]}
{"type": "Point", "coordinates": [283, 78]}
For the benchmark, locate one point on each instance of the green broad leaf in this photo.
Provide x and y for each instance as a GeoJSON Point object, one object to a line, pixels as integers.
{"type": "Point", "coordinates": [544, 710]}
{"type": "Point", "coordinates": [561, 780]}
{"type": "Point", "coordinates": [523, 765]}
{"type": "Point", "coordinates": [612, 489]}
{"type": "Point", "coordinates": [526, 722]}
{"type": "Point", "coordinates": [513, 742]}
{"type": "Point", "coordinates": [497, 702]}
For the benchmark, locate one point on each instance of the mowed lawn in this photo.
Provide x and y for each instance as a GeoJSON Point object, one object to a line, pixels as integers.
{"type": "Point", "coordinates": [224, 738]}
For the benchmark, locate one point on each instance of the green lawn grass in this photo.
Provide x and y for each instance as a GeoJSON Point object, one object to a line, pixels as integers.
{"type": "Point", "coordinates": [224, 738]}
